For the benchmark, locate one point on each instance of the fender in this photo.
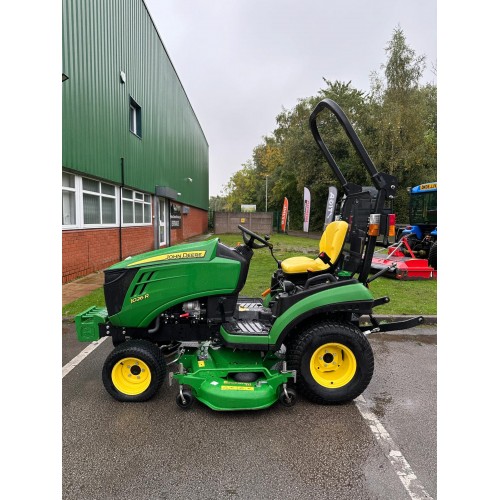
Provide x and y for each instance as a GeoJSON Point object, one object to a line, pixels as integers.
{"type": "Point", "coordinates": [350, 298]}
{"type": "Point", "coordinates": [353, 297]}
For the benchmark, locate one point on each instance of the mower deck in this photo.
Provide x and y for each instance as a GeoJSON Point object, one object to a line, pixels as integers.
{"type": "Point", "coordinates": [404, 268]}
{"type": "Point", "coordinates": [226, 379]}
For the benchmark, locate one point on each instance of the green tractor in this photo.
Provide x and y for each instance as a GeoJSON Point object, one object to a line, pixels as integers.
{"type": "Point", "coordinates": [180, 307]}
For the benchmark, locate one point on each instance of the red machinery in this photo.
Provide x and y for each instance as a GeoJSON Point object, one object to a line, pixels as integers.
{"type": "Point", "coordinates": [400, 266]}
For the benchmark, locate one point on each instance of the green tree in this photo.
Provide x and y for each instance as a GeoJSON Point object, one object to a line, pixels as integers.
{"type": "Point", "coordinates": [241, 188]}
{"type": "Point", "coordinates": [404, 120]}
{"type": "Point", "coordinates": [396, 121]}
{"type": "Point", "coordinates": [217, 203]}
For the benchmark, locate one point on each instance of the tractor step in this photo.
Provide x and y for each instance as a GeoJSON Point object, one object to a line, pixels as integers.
{"type": "Point", "coordinates": [252, 304]}
{"type": "Point", "coordinates": [252, 309]}
{"type": "Point", "coordinates": [247, 327]}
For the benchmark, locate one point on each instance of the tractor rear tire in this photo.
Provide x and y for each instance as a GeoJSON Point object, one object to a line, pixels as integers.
{"type": "Point", "coordinates": [433, 256]}
{"type": "Point", "coordinates": [334, 362]}
{"type": "Point", "coordinates": [134, 371]}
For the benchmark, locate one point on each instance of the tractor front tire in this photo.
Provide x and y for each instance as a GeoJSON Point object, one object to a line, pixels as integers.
{"type": "Point", "coordinates": [134, 371]}
{"type": "Point", "coordinates": [433, 256]}
{"type": "Point", "coordinates": [334, 362]}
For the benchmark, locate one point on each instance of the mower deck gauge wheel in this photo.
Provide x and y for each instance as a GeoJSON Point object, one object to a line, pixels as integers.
{"type": "Point", "coordinates": [184, 399]}
{"type": "Point", "coordinates": [288, 398]}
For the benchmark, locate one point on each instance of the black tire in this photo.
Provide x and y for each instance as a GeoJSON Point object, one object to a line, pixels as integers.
{"type": "Point", "coordinates": [288, 400]}
{"type": "Point", "coordinates": [433, 256]}
{"type": "Point", "coordinates": [134, 371]}
{"type": "Point", "coordinates": [188, 399]}
{"type": "Point", "coordinates": [346, 358]}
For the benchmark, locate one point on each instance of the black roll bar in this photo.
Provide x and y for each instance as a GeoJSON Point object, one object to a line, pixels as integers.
{"type": "Point", "coordinates": [384, 183]}
{"type": "Point", "coordinates": [380, 180]}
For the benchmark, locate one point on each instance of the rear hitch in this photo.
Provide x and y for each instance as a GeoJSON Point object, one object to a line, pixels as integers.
{"type": "Point", "coordinates": [377, 327]}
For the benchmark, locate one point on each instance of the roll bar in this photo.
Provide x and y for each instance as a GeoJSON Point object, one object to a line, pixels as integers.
{"type": "Point", "coordinates": [383, 182]}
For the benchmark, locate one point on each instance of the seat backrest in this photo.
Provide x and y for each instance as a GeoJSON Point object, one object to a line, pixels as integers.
{"type": "Point", "coordinates": [332, 240]}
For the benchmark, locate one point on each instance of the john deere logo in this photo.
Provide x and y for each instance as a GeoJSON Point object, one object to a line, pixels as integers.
{"type": "Point", "coordinates": [197, 254]}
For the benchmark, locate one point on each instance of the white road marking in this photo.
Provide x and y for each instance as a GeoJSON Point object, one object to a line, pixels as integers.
{"type": "Point", "coordinates": [392, 452]}
{"type": "Point", "coordinates": [80, 357]}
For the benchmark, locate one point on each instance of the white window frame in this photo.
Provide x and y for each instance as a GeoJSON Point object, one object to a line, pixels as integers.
{"type": "Point", "coordinates": [135, 117]}
{"type": "Point", "coordinates": [136, 199]}
{"type": "Point", "coordinates": [79, 192]}
{"type": "Point", "coordinates": [100, 195]}
{"type": "Point", "coordinates": [72, 190]}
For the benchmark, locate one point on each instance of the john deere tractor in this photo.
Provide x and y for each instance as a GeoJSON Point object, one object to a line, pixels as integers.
{"type": "Point", "coordinates": [178, 309]}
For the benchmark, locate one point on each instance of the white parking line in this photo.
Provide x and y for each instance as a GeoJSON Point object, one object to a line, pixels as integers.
{"type": "Point", "coordinates": [392, 452]}
{"type": "Point", "coordinates": [78, 359]}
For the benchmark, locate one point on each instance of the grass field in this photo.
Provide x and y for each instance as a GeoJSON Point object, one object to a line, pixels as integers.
{"type": "Point", "coordinates": [407, 297]}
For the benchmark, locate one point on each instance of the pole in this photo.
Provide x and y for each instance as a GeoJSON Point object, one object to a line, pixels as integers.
{"type": "Point", "coordinates": [266, 192]}
{"type": "Point", "coordinates": [122, 183]}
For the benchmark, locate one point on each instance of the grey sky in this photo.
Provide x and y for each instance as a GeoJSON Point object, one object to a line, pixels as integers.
{"type": "Point", "coordinates": [241, 61]}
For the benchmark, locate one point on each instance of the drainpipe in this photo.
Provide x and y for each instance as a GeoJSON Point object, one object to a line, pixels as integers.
{"type": "Point", "coordinates": [122, 183]}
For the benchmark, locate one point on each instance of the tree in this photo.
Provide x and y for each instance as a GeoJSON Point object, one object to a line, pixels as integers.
{"type": "Point", "coordinates": [404, 120]}
{"type": "Point", "coordinates": [241, 188]}
{"type": "Point", "coordinates": [396, 121]}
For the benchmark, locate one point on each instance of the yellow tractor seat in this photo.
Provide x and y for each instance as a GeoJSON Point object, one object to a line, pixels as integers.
{"type": "Point", "coordinates": [330, 248]}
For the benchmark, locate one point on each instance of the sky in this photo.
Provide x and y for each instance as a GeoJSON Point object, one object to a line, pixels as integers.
{"type": "Point", "coordinates": [242, 61]}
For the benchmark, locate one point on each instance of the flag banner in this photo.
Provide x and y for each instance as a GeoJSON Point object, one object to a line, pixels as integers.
{"type": "Point", "coordinates": [307, 209]}
{"type": "Point", "coordinates": [284, 215]}
{"type": "Point", "coordinates": [330, 205]}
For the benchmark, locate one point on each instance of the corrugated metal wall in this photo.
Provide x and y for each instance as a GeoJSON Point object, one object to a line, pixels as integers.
{"type": "Point", "coordinates": [100, 39]}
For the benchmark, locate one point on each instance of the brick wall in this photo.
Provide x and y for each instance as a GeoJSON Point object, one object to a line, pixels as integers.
{"type": "Point", "coordinates": [89, 250]}
{"type": "Point", "coordinates": [194, 223]}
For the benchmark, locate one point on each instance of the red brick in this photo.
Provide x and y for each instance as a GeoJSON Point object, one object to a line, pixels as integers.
{"type": "Point", "coordinates": [88, 250]}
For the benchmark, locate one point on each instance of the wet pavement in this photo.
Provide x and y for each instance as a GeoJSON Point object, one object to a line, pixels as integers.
{"type": "Point", "coordinates": [155, 450]}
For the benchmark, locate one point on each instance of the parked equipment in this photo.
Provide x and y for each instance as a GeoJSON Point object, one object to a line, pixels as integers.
{"type": "Point", "coordinates": [414, 255]}
{"type": "Point", "coordinates": [179, 307]}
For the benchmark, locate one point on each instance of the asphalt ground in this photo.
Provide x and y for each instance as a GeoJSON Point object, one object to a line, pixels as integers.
{"type": "Point", "coordinates": [383, 446]}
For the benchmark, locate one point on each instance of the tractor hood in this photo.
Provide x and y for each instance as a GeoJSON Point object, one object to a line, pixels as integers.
{"type": "Point", "coordinates": [203, 250]}
{"type": "Point", "coordinates": [139, 288]}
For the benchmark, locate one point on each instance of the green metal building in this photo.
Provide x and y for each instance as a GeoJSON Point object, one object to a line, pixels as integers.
{"type": "Point", "coordinates": [134, 156]}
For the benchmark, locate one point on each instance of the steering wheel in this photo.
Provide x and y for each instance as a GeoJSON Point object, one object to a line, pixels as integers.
{"type": "Point", "coordinates": [249, 238]}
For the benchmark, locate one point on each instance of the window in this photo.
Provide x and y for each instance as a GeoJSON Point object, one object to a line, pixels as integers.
{"type": "Point", "coordinates": [99, 202]}
{"type": "Point", "coordinates": [135, 118]}
{"type": "Point", "coordinates": [136, 207]}
{"type": "Point", "coordinates": [68, 200]}
{"type": "Point", "coordinates": [89, 203]}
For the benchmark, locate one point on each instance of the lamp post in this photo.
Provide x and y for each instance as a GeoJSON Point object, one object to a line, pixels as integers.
{"type": "Point", "coordinates": [266, 191]}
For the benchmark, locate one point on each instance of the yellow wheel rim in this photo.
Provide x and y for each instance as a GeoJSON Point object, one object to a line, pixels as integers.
{"type": "Point", "coordinates": [333, 365]}
{"type": "Point", "coordinates": [131, 376]}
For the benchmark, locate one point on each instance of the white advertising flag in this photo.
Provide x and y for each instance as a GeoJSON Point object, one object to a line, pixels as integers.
{"type": "Point", "coordinates": [330, 205]}
{"type": "Point", "coordinates": [307, 209]}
